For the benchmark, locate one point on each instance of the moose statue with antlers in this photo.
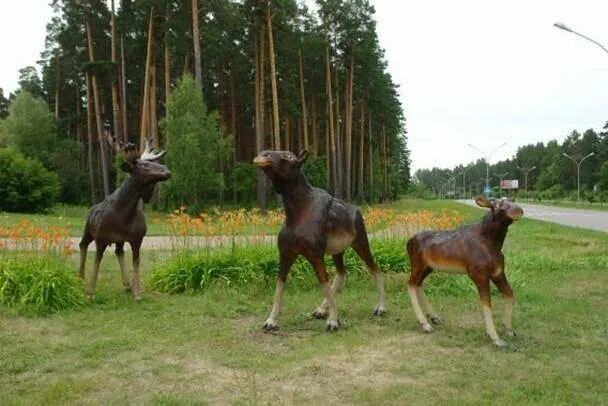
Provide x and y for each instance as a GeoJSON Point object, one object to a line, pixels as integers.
{"type": "Point", "coordinates": [472, 249]}
{"type": "Point", "coordinates": [316, 224]}
{"type": "Point", "coordinates": [119, 218]}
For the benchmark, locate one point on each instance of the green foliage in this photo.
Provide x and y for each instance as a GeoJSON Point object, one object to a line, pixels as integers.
{"type": "Point", "coordinates": [44, 285]}
{"type": "Point", "coordinates": [72, 178]}
{"type": "Point", "coordinates": [315, 171]}
{"type": "Point", "coordinates": [30, 128]}
{"type": "Point", "coordinates": [25, 185]}
{"type": "Point", "coordinates": [553, 193]}
{"type": "Point", "coordinates": [243, 181]}
{"type": "Point", "coordinates": [196, 148]}
{"type": "Point", "coordinates": [419, 190]}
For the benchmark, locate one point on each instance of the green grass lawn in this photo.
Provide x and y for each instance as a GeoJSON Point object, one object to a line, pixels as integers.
{"type": "Point", "coordinates": [209, 348]}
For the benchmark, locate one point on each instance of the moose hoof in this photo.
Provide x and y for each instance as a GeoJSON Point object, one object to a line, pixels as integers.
{"type": "Point", "coordinates": [270, 326]}
{"type": "Point", "coordinates": [332, 325]}
{"type": "Point", "coordinates": [91, 298]}
{"type": "Point", "coordinates": [319, 313]}
{"type": "Point", "coordinates": [510, 333]}
{"type": "Point", "coordinates": [436, 320]}
{"type": "Point", "coordinates": [427, 328]}
{"type": "Point", "coordinates": [137, 299]}
{"type": "Point", "coordinates": [379, 311]}
{"type": "Point", "coordinates": [502, 344]}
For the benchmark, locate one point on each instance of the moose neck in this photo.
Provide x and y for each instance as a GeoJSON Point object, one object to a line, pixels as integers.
{"type": "Point", "coordinates": [495, 229]}
{"type": "Point", "coordinates": [128, 195]}
{"type": "Point", "coordinates": [296, 193]}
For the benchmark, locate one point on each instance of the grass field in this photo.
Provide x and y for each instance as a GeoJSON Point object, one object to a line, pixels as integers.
{"type": "Point", "coordinates": [209, 348]}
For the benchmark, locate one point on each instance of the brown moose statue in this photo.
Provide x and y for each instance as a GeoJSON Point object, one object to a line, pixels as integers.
{"type": "Point", "coordinates": [315, 224]}
{"type": "Point", "coordinates": [472, 249]}
{"type": "Point", "coordinates": [119, 218]}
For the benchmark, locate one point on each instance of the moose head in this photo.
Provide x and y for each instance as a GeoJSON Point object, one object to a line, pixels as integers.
{"type": "Point", "coordinates": [282, 167]}
{"type": "Point", "coordinates": [144, 168]}
{"type": "Point", "coordinates": [504, 210]}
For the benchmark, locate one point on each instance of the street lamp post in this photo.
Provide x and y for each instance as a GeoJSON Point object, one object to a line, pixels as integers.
{"type": "Point", "coordinates": [487, 159]}
{"type": "Point", "coordinates": [578, 172]}
{"type": "Point", "coordinates": [526, 171]}
{"type": "Point", "coordinates": [464, 181]}
{"type": "Point", "coordinates": [564, 27]}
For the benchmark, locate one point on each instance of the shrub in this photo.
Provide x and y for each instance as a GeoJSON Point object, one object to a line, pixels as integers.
{"type": "Point", "coordinates": [43, 284]}
{"type": "Point", "coordinates": [25, 185]}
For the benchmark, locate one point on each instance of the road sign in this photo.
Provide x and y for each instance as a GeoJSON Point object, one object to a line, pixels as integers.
{"type": "Point", "coordinates": [509, 184]}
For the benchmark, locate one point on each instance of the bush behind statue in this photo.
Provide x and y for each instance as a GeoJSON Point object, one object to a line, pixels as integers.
{"type": "Point", "coordinates": [25, 185]}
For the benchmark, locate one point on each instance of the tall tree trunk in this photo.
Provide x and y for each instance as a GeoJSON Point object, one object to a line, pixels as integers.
{"type": "Point", "coordinates": [153, 117]}
{"type": "Point", "coordinates": [360, 191]}
{"type": "Point", "coordinates": [371, 156]}
{"type": "Point", "coordinates": [57, 77]}
{"type": "Point", "coordinates": [115, 80]}
{"type": "Point", "coordinates": [338, 141]}
{"type": "Point", "coordinates": [198, 72]}
{"type": "Point", "coordinates": [145, 109]}
{"type": "Point", "coordinates": [385, 161]}
{"type": "Point", "coordinates": [287, 135]}
{"type": "Point", "coordinates": [233, 109]}
{"type": "Point", "coordinates": [328, 167]}
{"type": "Point", "coordinates": [304, 115]}
{"type": "Point", "coordinates": [259, 112]}
{"type": "Point", "coordinates": [90, 138]}
{"type": "Point", "coordinates": [102, 143]}
{"type": "Point", "coordinates": [273, 82]}
{"type": "Point", "coordinates": [348, 126]}
{"type": "Point", "coordinates": [167, 62]}
{"type": "Point", "coordinates": [123, 76]}
{"type": "Point", "coordinates": [330, 122]}
{"type": "Point", "coordinates": [315, 133]}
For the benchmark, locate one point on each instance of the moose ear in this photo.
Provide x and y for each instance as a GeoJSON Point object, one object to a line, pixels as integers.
{"type": "Point", "coordinates": [302, 155]}
{"type": "Point", "coordinates": [483, 201]}
{"type": "Point", "coordinates": [126, 167]}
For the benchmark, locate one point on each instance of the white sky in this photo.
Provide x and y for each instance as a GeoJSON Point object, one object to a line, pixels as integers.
{"type": "Point", "coordinates": [471, 71]}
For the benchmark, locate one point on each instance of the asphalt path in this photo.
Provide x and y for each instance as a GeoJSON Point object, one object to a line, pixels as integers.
{"type": "Point", "coordinates": [592, 219]}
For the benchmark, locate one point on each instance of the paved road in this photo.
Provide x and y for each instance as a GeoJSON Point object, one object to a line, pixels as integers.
{"type": "Point", "coordinates": [595, 220]}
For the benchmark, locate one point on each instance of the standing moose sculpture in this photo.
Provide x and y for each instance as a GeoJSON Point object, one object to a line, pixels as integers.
{"type": "Point", "coordinates": [472, 249]}
{"type": "Point", "coordinates": [119, 218]}
{"type": "Point", "coordinates": [315, 224]}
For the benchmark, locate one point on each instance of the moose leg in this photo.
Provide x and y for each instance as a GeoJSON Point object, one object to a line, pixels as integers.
{"type": "Point", "coordinates": [136, 283]}
{"type": "Point", "coordinates": [84, 245]}
{"type": "Point", "coordinates": [321, 311]}
{"type": "Point", "coordinates": [424, 303]}
{"type": "Point", "coordinates": [361, 247]}
{"type": "Point", "coordinates": [332, 317]}
{"type": "Point", "coordinates": [502, 284]}
{"type": "Point", "coordinates": [286, 260]}
{"type": "Point", "coordinates": [483, 286]}
{"type": "Point", "coordinates": [101, 247]}
{"type": "Point", "coordinates": [413, 285]}
{"type": "Point", "coordinates": [120, 255]}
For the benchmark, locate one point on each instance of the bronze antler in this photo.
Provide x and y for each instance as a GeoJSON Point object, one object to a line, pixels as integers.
{"type": "Point", "coordinates": [150, 153]}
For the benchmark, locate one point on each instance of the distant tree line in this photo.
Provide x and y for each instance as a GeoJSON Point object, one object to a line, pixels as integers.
{"type": "Point", "coordinates": [265, 74]}
{"type": "Point", "coordinates": [554, 175]}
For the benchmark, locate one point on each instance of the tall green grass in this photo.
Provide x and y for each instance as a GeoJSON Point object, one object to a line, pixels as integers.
{"type": "Point", "coordinates": [42, 285]}
{"type": "Point", "coordinates": [196, 271]}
